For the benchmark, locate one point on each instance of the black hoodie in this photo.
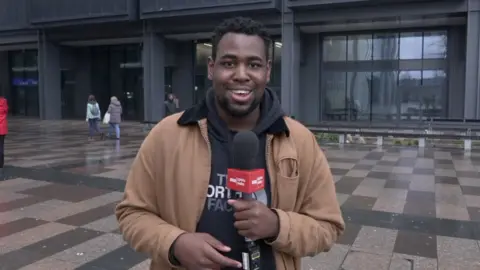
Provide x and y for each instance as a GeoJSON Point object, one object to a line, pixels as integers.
{"type": "Point", "coordinates": [217, 217]}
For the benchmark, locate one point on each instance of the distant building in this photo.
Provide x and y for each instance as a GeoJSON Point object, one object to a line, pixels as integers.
{"type": "Point", "coordinates": [367, 60]}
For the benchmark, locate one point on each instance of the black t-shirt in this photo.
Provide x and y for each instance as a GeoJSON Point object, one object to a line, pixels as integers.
{"type": "Point", "coordinates": [217, 218]}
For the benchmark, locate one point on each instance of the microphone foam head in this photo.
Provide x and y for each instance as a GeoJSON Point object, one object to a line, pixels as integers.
{"type": "Point", "coordinates": [245, 150]}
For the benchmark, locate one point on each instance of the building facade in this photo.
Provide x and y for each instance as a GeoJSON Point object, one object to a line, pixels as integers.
{"type": "Point", "coordinates": [344, 60]}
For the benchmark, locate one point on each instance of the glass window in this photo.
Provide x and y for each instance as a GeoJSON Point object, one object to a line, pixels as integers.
{"type": "Point", "coordinates": [203, 51]}
{"type": "Point", "coordinates": [359, 48]}
{"type": "Point", "coordinates": [335, 48]}
{"type": "Point", "coordinates": [433, 94]}
{"type": "Point", "coordinates": [31, 58]}
{"type": "Point", "coordinates": [24, 80]}
{"type": "Point", "coordinates": [385, 76]}
{"type": "Point", "coordinates": [433, 77]}
{"type": "Point", "coordinates": [410, 78]}
{"type": "Point", "coordinates": [67, 78]}
{"type": "Point", "coordinates": [133, 54]}
{"type": "Point", "coordinates": [168, 73]}
{"type": "Point", "coordinates": [435, 45]}
{"type": "Point", "coordinates": [335, 87]}
{"type": "Point", "coordinates": [411, 45]}
{"type": "Point", "coordinates": [17, 60]}
{"type": "Point", "coordinates": [276, 77]}
{"type": "Point", "coordinates": [409, 83]}
{"type": "Point", "coordinates": [385, 46]}
{"type": "Point", "coordinates": [19, 101]}
{"type": "Point", "coordinates": [358, 97]}
{"type": "Point", "coordinates": [384, 95]}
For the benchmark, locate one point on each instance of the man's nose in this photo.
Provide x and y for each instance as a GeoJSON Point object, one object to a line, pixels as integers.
{"type": "Point", "coordinates": [241, 73]}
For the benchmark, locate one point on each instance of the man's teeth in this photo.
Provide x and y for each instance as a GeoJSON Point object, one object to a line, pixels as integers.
{"type": "Point", "coordinates": [241, 92]}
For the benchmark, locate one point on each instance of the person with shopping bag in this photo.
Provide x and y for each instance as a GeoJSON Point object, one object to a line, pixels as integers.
{"type": "Point", "coordinates": [113, 117]}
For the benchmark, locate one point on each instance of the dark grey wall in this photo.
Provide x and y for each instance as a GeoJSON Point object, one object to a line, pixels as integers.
{"type": "Point", "coordinates": [83, 79]}
{"type": "Point", "coordinates": [184, 73]}
{"type": "Point", "coordinates": [13, 15]}
{"type": "Point", "coordinates": [49, 80]}
{"type": "Point", "coordinates": [154, 51]}
{"type": "Point", "coordinates": [310, 77]}
{"type": "Point", "coordinates": [472, 71]}
{"type": "Point", "coordinates": [290, 84]}
{"type": "Point", "coordinates": [456, 71]}
{"type": "Point", "coordinates": [172, 8]}
{"type": "Point", "coordinates": [68, 12]}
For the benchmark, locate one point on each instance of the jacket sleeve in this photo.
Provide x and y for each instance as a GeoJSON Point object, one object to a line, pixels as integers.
{"type": "Point", "coordinates": [137, 213]}
{"type": "Point", "coordinates": [318, 223]}
{"type": "Point", "coordinates": [109, 109]}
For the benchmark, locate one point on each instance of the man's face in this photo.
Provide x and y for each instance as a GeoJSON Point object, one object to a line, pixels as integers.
{"type": "Point", "coordinates": [239, 73]}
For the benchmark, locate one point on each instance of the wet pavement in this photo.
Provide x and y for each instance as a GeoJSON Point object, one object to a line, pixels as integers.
{"type": "Point", "coordinates": [404, 208]}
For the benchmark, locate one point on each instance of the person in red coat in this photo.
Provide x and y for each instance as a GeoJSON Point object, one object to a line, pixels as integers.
{"type": "Point", "coordinates": [3, 132]}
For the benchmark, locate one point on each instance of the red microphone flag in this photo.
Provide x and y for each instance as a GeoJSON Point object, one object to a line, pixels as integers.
{"type": "Point", "coordinates": [246, 181]}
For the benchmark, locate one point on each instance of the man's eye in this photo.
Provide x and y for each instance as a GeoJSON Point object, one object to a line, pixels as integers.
{"type": "Point", "coordinates": [255, 65]}
{"type": "Point", "coordinates": [227, 64]}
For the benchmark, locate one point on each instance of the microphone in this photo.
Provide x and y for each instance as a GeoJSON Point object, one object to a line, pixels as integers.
{"type": "Point", "coordinates": [245, 178]}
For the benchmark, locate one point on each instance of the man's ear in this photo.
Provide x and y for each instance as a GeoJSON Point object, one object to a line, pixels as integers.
{"type": "Point", "coordinates": [210, 65]}
{"type": "Point", "coordinates": [269, 70]}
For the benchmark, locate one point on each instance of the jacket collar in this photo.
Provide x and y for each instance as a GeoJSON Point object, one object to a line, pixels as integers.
{"type": "Point", "coordinates": [200, 111]}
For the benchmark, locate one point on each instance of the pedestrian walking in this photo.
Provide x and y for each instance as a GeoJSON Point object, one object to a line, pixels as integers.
{"type": "Point", "coordinates": [93, 117]}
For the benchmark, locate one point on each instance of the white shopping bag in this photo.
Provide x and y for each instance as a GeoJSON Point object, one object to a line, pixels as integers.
{"type": "Point", "coordinates": [106, 118]}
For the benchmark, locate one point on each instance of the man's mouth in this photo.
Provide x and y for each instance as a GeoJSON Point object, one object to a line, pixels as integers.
{"type": "Point", "coordinates": [241, 92]}
{"type": "Point", "coordinates": [241, 96]}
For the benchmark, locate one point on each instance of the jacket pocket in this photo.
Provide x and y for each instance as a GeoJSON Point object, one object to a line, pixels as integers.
{"type": "Point", "coordinates": [287, 183]}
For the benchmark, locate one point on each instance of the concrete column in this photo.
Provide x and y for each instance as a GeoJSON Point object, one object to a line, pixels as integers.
{"type": "Point", "coordinates": [290, 65]}
{"type": "Point", "coordinates": [83, 79]}
{"type": "Point", "coordinates": [153, 76]}
{"type": "Point", "coordinates": [50, 99]}
{"type": "Point", "coordinates": [472, 66]}
{"type": "Point", "coordinates": [456, 72]}
{"type": "Point", "coordinates": [309, 91]}
{"type": "Point", "coordinates": [184, 74]}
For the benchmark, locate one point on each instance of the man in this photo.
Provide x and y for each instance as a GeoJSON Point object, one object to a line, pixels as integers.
{"type": "Point", "coordinates": [176, 207]}
{"type": "Point", "coordinates": [171, 104]}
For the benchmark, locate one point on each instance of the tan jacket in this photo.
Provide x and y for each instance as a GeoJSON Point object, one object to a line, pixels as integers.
{"type": "Point", "coordinates": [166, 191]}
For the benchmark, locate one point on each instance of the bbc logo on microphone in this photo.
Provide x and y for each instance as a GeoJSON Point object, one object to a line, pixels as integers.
{"type": "Point", "coordinates": [243, 181]}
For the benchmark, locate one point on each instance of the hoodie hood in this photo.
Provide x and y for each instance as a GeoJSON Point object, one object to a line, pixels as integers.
{"type": "Point", "coordinates": [270, 112]}
{"type": "Point", "coordinates": [200, 111]}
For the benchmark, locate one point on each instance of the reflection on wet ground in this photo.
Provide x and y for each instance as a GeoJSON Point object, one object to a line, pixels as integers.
{"type": "Point", "coordinates": [404, 208]}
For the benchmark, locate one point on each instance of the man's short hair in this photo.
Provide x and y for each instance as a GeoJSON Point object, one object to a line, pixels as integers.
{"type": "Point", "coordinates": [240, 25]}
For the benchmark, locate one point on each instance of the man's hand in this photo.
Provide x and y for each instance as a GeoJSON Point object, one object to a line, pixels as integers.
{"type": "Point", "coordinates": [254, 220]}
{"type": "Point", "coordinates": [199, 251]}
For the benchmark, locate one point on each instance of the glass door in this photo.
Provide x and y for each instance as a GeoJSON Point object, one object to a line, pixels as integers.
{"type": "Point", "coordinates": [133, 94]}
{"type": "Point", "coordinates": [24, 80]}
{"type": "Point", "coordinates": [68, 94]}
{"type": "Point", "coordinates": [19, 101]}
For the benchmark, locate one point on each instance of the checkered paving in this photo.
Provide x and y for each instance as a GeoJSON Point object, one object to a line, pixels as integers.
{"type": "Point", "coordinates": [405, 208]}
